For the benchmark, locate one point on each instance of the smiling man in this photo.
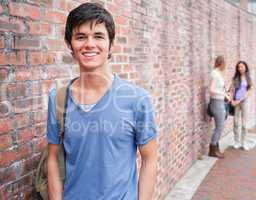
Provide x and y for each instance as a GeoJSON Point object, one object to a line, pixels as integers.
{"type": "Point", "coordinates": [107, 120]}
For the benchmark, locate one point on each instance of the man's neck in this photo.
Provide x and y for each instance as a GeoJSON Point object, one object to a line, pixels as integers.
{"type": "Point", "coordinates": [95, 80]}
{"type": "Point", "coordinates": [90, 87]}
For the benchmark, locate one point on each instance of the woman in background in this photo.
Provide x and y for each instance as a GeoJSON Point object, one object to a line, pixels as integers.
{"type": "Point", "coordinates": [241, 88]}
{"type": "Point", "coordinates": [217, 105]}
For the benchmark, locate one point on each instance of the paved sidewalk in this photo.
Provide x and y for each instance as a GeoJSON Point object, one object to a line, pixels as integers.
{"type": "Point", "coordinates": [232, 178]}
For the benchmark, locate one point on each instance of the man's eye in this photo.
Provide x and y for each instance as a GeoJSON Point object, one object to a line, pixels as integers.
{"type": "Point", "coordinates": [99, 37]}
{"type": "Point", "coordinates": [80, 37]}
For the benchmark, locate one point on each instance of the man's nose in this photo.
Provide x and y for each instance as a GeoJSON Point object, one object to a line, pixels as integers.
{"type": "Point", "coordinates": [90, 42]}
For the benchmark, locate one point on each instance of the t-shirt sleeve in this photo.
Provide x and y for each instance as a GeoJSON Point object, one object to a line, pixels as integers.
{"type": "Point", "coordinates": [145, 128]}
{"type": "Point", "coordinates": [53, 127]}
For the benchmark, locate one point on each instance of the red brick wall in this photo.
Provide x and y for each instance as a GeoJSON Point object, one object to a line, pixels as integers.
{"type": "Point", "coordinates": [166, 46]}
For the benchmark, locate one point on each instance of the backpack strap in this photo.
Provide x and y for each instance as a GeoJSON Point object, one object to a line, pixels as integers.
{"type": "Point", "coordinates": [62, 90]}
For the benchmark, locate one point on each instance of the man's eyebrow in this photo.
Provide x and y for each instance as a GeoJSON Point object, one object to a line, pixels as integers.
{"type": "Point", "coordinates": [79, 33]}
{"type": "Point", "coordinates": [99, 33]}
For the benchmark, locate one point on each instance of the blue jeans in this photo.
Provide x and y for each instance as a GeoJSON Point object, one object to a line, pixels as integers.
{"type": "Point", "coordinates": [217, 107]}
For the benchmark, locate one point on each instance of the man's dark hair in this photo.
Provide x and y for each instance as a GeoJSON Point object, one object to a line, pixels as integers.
{"type": "Point", "coordinates": [89, 12]}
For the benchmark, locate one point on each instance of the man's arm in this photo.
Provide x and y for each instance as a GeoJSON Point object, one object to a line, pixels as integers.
{"type": "Point", "coordinates": [147, 178]}
{"type": "Point", "coordinates": [55, 187]}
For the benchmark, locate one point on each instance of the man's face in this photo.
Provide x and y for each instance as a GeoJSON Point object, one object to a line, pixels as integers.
{"type": "Point", "coordinates": [90, 44]}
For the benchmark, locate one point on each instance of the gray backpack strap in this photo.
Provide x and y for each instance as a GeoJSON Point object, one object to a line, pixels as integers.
{"type": "Point", "coordinates": [61, 102]}
{"type": "Point", "coordinates": [61, 94]}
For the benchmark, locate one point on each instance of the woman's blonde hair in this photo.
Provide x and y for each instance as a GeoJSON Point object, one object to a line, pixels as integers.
{"type": "Point", "coordinates": [219, 62]}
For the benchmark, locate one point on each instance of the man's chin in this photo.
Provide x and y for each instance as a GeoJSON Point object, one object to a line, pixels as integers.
{"type": "Point", "coordinates": [89, 68]}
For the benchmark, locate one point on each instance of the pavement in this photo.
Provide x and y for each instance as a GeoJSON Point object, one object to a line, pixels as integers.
{"type": "Point", "coordinates": [231, 178]}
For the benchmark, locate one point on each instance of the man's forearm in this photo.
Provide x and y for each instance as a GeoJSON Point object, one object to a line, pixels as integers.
{"type": "Point", "coordinates": [55, 186]}
{"type": "Point", "coordinates": [147, 180]}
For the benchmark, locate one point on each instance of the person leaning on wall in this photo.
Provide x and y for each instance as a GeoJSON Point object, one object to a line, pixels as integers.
{"type": "Point", "coordinates": [217, 105]}
{"type": "Point", "coordinates": [241, 88]}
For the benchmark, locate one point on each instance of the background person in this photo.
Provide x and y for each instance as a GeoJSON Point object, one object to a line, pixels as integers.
{"type": "Point", "coordinates": [217, 106]}
{"type": "Point", "coordinates": [241, 89]}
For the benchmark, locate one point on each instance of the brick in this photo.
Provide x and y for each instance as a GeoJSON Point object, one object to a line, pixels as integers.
{"type": "Point", "coordinates": [46, 3]}
{"type": "Point", "coordinates": [61, 31]}
{"type": "Point", "coordinates": [38, 28]}
{"type": "Point", "coordinates": [23, 43]}
{"type": "Point", "coordinates": [22, 73]}
{"type": "Point", "coordinates": [39, 130]}
{"type": "Point", "coordinates": [7, 175]}
{"type": "Point", "coordinates": [35, 58]}
{"type": "Point", "coordinates": [56, 72]}
{"type": "Point", "coordinates": [6, 141]}
{"type": "Point", "coordinates": [22, 105]}
{"type": "Point", "coordinates": [2, 42]}
{"type": "Point", "coordinates": [40, 58]}
{"type": "Point", "coordinates": [12, 24]}
{"type": "Point", "coordinates": [12, 155]}
{"type": "Point", "coordinates": [116, 68]}
{"type": "Point", "coordinates": [4, 74]}
{"type": "Point", "coordinates": [17, 90]}
{"type": "Point", "coordinates": [40, 144]}
{"type": "Point", "coordinates": [37, 73]}
{"type": "Point", "coordinates": [121, 40]}
{"type": "Point", "coordinates": [38, 103]}
{"type": "Point", "coordinates": [72, 4]}
{"type": "Point", "coordinates": [49, 58]}
{"type": "Point", "coordinates": [127, 68]}
{"type": "Point", "coordinates": [63, 5]}
{"type": "Point", "coordinates": [116, 49]}
{"type": "Point", "coordinates": [36, 88]}
{"type": "Point", "coordinates": [55, 45]}
{"type": "Point", "coordinates": [121, 59]}
{"type": "Point", "coordinates": [121, 20]}
{"type": "Point", "coordinates": [24, 10]}
{"type": "Point", "coordinates": [24, 135]}
{"type": "Point", "coordinates": [55, 17]}
{"type": "Point", "coordinates": [39, 116]}
{"type": "Point", "coordinates": [13, 58]}
{"type": "Point", "coordinates": [5, 125]}
{"type": "Point", "coordinates": [7, 157]}
{"type": "Point", "coordinates": [24, 151]}
{"type": "Point", "coordinates": [112, 8]}
{"type": "Point", "coordinates": [22, 120]}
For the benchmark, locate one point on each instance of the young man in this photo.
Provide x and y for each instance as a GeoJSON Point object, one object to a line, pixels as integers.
{"type": "Point", "coordinates": [107, 120]}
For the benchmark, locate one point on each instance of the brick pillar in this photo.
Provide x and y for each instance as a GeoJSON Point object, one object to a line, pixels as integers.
{"type": "Point", "coordinates": [244, 4]}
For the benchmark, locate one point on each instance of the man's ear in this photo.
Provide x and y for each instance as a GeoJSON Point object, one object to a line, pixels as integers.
{"type": "Point", "coordinates": [110, 49]}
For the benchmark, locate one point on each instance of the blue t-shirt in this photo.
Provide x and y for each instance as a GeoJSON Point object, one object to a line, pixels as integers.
{"type": "Point", "coordinates": [101, 144]}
